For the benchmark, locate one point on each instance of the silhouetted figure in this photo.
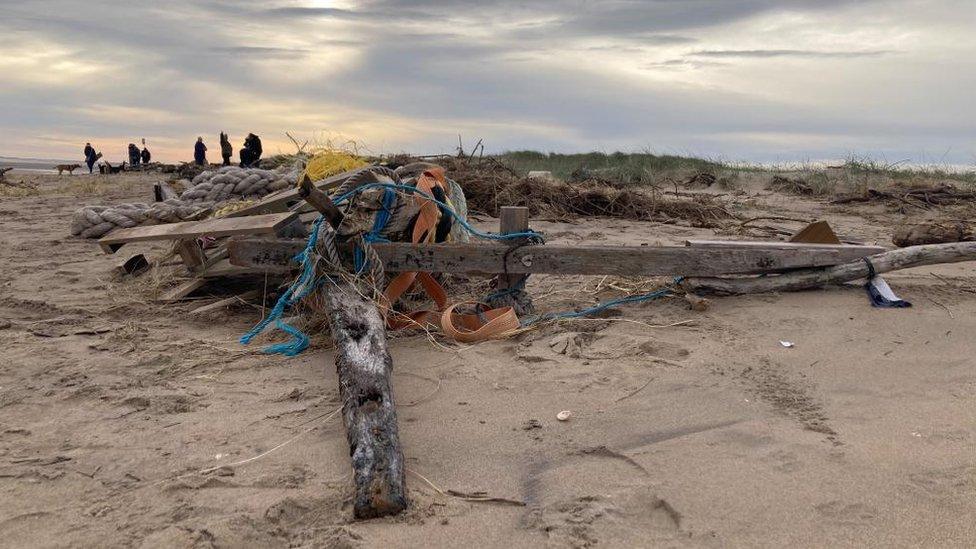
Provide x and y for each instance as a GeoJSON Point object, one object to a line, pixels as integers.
{"type": "Point", "coordinates": [146, 157]}
{"type": "Point", "coordinates": [134, 156]}
{"type": "Point", "coordinates": [226, 151]}
{"type": "Point", "coordinates": [200, 152]}
{"type": "Point", "coordinates": [251, 153]}
{"type": "Point", "coordinates": [90, 157]}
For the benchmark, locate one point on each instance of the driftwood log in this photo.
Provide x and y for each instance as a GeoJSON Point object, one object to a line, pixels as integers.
{"type": "Point", "coordinates": [933, 233]}
{"type": "Point", "coordinates": [368, 410]}
{"type": "Point", "coordinates": [904, 258]}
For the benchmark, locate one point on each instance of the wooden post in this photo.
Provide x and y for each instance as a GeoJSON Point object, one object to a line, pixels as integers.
{"type": "Point", "coordinates": [509, 287]}
{"type": "Point", "coordinates": [192, 254]}
{"type": "Point", "coordinates": [320, 201]}
{"type": "Point", "coordinates": [368, 409]}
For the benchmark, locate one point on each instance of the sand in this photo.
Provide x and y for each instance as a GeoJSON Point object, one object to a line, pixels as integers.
{"type": "Point", "coordinates": [687, 429]}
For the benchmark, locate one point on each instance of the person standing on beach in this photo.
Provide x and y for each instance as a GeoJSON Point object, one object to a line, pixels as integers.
{"type": "Point", "coordinates": [90, 157]}
{"type": "Point", "coordinates": [251, 153]}
{"type": "Point", "coordinates": [226, 151]}
{"type": "Point", "coordinates": [146, 157]}
{"type": "Point", "coordinates": [200, 153]}
{"type": "Point", "coordinates": [134, 156]}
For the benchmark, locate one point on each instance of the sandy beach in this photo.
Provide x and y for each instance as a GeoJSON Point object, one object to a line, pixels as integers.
{"type": "Point", "coordinates": [127, 422]}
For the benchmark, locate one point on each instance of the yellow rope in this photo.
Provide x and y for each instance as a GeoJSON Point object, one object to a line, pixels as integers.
{"type": "Point", "coordinates": [329, 163]}
{"type": "Point", "coordinates": [232, 207]}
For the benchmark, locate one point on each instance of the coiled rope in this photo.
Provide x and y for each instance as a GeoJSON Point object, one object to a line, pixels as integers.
{"type": "Point", "coordinates": [206, 190]}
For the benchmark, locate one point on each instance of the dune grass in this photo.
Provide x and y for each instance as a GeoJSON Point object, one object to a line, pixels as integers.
{"type": "Point", "coordinates": [853, 175]}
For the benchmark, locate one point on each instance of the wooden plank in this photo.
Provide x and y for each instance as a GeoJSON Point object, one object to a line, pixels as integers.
{"type": "Point", "coordinates": [179, 292]}
{"type": "Point", "coordinates": [133, 265]}
{"type": "Point", "coordinates": [490, 258]}
{"type": "Point", "coordinates": [282, 200]}
{"type": "Point", "coordinates": [192, 254]}
{"type": "Point", "coordinates": [224, 268]}
{"type": "Point", "coordinates": [847, 252]}
{"type": "Point", "coordinates": [259, 224]}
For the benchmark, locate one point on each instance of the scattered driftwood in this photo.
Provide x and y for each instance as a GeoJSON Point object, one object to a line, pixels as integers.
{"type": "Point", "coordinates": [805, 279]}
{"type": "Point", "coordinates": [933, 233]}
{"type": "Point", "coordinates": [922, 197]}
{"type": "Point", "coordinates": [368, 410]}
{"type": "Point", "coordinates": [4, 171]}
{"type": "Point", "coordinates": [788, 185]}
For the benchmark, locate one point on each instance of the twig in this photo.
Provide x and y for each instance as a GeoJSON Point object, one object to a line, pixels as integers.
{"type": "Point", "coordinates": [943, 306]}
{"type": "Point", "coordinates": [474, 496]}
{"type": "Point", "coordinates": [634, 392]}
{"type": "Point", "coordinates": [772, 218]}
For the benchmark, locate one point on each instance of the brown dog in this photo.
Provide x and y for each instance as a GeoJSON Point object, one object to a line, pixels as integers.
{"type": "Point", "coordinates": [67, 168]}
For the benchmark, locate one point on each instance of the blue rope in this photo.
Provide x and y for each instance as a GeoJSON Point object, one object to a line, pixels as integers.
{"type": "Point", "coordinates": [300, 341]}
{"type": "Point", "coordinates": [530, 235]}
{"type": "Point", "coordinates": [292, 295]}
{"type": "Point", "coordinates": [306, 282]}
{"type": "Point", "coordinates": [600, 307]}
{"type": "Point", "coordinates": [379, 223]}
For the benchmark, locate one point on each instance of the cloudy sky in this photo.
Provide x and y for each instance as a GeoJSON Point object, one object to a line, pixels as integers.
{"type": "Point", "coordinates": [758, 80]}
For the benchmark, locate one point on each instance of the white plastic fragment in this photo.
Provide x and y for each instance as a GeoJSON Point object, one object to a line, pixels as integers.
{"type": "Point", "coordinates": [564, 415]}
{"type": "Point", "coordinates": [787, 344]}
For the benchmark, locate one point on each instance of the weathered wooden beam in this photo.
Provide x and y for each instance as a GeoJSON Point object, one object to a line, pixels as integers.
{"type": "Point", "coordinates": [259, 224]}
{"type": "Point", "coordinates": [320, 201]}
{"type": "Point", "coordinates": [368, 409]}
{"type": "Point", "coordinates": [490, 258]}
{"type": "Point", "coordinates": [903, 258]}
{"type": "Point", "coordinates": [846, 251]}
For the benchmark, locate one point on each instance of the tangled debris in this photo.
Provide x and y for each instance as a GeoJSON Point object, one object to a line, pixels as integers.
{"type": "Point", "coordinates": [789, 185]}
{"type": "Point", "coordinates": [490, 184]}
{"type": "Point", "coordinates": [920, 196]}
{"type": "Point", "coordinates": [933, 233]}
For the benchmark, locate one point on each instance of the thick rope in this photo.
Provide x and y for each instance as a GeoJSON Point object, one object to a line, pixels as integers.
{"type": "Point", "coordinates": [206, 190]}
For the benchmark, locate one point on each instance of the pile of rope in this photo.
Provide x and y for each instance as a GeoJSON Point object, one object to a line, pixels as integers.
{"type": "Point", "coordinates": [329, 163]}
{"type": "Point", "coordinates": [233, 182]}
{"type": "Point", "coordinates": [207, 190]}
{"type": "Point", "coordinates": [95, 221]}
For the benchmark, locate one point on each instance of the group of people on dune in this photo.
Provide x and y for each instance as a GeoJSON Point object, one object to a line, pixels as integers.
{"type": "Point", "coordinates": [250, 153]}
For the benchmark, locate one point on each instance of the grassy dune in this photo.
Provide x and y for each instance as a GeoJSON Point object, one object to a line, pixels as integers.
{"type": "Point", "coordinates": [853, 175]}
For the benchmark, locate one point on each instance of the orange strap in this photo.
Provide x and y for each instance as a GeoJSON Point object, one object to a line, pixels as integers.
{"type": "Point", "coordinates": [466, 328]}
{"type": "Point", "coordinates": [396, 288]}
{"type": "Point", "coordinates": [470, 328]}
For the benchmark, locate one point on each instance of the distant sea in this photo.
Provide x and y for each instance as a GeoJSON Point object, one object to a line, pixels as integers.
{"type": "Point", "coordinates": [34, 165]}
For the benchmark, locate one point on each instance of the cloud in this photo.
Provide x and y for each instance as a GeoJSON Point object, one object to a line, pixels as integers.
{"type": "Point", "coordinates": [551, 74]}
